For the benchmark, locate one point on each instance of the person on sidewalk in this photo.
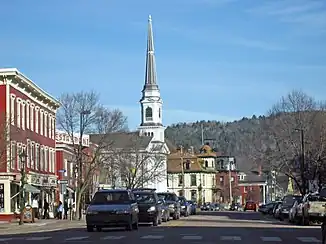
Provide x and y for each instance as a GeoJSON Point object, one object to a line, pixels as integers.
{"type": "Point", "coordinates": [46, 209]}
{"type": "Point", "coordinates": [35, 209]}
{"type": "Point", "coordinates": [59, 210]}
{"type": "Point", "coordinates": [65, 208]}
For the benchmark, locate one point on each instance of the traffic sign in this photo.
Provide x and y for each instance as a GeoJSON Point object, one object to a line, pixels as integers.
{"type": "Point", "coordinates": [63, 182]}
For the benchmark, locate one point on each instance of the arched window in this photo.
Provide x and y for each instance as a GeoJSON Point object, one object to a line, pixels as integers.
{"type": "Point", "coordinates": [145, 133]}
{"type": "Point", "coordinates": [159, 113]}
{"type": "Point", "coordinates": [149, 114]}
{"type": "Point", "coordinates": [152, 134]}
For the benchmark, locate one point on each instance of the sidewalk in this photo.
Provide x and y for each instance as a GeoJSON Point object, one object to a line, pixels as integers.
{"type": "Point", "coordinates": [40, 225]}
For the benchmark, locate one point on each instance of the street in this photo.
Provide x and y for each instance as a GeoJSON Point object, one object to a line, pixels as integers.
{"type": "Point", "coordinates": [205, 227]}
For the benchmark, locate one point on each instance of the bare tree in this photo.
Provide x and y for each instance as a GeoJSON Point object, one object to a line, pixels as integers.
{"type": "Point", "coordinates": [81, 113]}
{"type": "Point", "coordinates": [297, 132]}
{"type": "Point", "coordinates": [139, 165]}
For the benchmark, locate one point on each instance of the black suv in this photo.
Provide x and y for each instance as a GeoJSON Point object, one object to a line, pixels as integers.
{"type": "Point", "coordinates": [173, 202]}
{"type": "Point", "coordinates": [112, 208]}
{"type": "Point", "coordinates": [149, 205]}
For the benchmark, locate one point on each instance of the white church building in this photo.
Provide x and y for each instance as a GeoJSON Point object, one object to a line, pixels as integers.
{"type": "Point", "coordinates": [148, 140]}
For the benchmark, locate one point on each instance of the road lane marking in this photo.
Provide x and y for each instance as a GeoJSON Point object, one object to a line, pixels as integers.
{"type": "Point", "coordinates": [77, 238]}
{"type": "Point", "coordinates": [230, 238]}
{"type": "Point", "coordinates": [270, 238]}
{"type": "Point", "coordinates": [6, 239]}
{"type": "Point", "coordinates": [38, 238]}
{"type": "Point", "coordinates": [113, 237]}
{"type": "Point", "coordinates": [152, 237]}
{"type": "Point", "coordinates": [192, 237]}
{"type": "Point", "coordinates": [308, 239]}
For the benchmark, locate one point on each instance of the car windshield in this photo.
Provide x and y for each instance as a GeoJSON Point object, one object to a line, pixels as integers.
{"type": "Point", "coordinates": [166, 197]}
{"type": "Point", "coordinates": [289, 200]}
{"type": "Point", "coordinates": [144, 197]}
{"type": "Point", "coordinates": [114, 197]}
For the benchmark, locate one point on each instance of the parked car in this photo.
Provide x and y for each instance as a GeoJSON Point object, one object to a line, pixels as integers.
{"type": "Point", "coordinates": [112, 208]}
{"type": "Point", "coordinates": [206, 206]}
{"type": "Point", "coordinates": [287, 203]}
{"type": "Point", "coordinates": [149, 205]}
{"type": "Point", "coordinates": [235, 207]}
{"type": "Point", "coordinates": [193, 207]}
{"type": "Point", "coordinates": [276, 207]}
{"type": "Point", "coordinates": [165, 210]}
{"type": "Point", "coordinates": [293, 213]}
{"type": "Point", "coordinates": [267, 208]}
{"type": "Point", "coordinates": [278, 210]}
{"type": "Point", "coordinates": [174, 205]}
{"type": "Point", "coordinates": [250, 205]}
{"type": "Point", "coordinates": [185, 206]}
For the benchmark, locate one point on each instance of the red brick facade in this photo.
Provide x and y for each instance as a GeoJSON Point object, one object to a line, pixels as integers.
{"type": "Point", "coordinates": [30, 114]}
{"type": "Point", "coordinates": [251, 192]}
{"type": "Point", "coordinates": [223, 185]}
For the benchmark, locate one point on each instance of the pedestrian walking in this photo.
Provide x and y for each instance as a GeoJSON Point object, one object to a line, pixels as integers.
{"type": "Point", "coordinates": [59, 210]}
{"type": "Point", "coordinates": [65, 208]}
{"type": "Point", "coordinates": [46, 210]}
{"type": "Point", "coordinates": [35, 209]}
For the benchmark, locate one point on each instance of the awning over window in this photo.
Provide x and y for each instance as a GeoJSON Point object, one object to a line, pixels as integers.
{"type": "Point", "coordinates": [31, 189]}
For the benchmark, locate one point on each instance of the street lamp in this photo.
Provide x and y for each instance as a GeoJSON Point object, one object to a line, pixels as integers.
{"type": "Point", "coordinates": [22, 157]}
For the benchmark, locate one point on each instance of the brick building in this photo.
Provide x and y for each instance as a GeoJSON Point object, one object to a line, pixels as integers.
{"type": "Point", "coordinates": [30, 115]}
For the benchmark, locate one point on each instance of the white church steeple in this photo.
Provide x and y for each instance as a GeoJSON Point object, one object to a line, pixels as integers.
{"type": "Point", "coordinates": [151, 102]}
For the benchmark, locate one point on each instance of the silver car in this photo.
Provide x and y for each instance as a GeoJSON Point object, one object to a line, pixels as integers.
{"type": "Point", "coordinates": [112, 208]}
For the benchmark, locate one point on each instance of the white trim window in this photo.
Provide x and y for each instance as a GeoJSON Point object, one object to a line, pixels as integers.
{"type": "Point", "coordinates": [13, 155]}
{"type": "Point", "coordinates": [37, 156]}
{"type": "Point", "coordinates": [18, 111]}
{"type": "Point", "coordinates": [53, 160]}
{"type": "Point", "coordinates": [12, 108]}
{"type": "Point", "coordinates": [37, 108]}
{"type": "Point", "coordinates": [65, 167]}
{"type": "Point", "coordinates": [50, 125]}
{"type": "Point", "coordinates": [53, 127]}
{"type": "Point", "coordinates": [46, 159]}
{"type": "Point", "coordinates": [28, 119]}
{"type": "Point", "coordinates": [28, 159]}
{"type": "Point", "coordinates": [41, 121]}
{"type": "Point", "coordinates": [32, 157]}
{"type": "Point", "coordinates": [23, 114]}
{"type": "Point", "coordinates": [46, 126]}
{"type": "Point", "coordinates": [50, 160]}
{"type": "Point", "coordinates": [42, 158]}
{"type": "Point", "coordinates": [32, 116]}
{"type": "Point", "coordinates": [19, 149]}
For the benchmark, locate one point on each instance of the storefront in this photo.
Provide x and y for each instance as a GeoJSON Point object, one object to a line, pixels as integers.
{"type": "Point", "coordinates": [41, 186]}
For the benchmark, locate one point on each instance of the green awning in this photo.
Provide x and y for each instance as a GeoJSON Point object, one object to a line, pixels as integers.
{"type": "Point", "coordinates": [31, 189]}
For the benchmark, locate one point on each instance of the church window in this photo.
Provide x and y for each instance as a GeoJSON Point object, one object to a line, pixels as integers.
{"type": "Point", "coordinates": [152, 134]}
{"type": "Point", "coordinates": [149, 114]}
{"type": "Point", "coordinates": [159, 113]}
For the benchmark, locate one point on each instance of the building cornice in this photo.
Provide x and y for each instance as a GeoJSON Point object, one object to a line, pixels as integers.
{"type": "Point", "coordinates": [18, 80]}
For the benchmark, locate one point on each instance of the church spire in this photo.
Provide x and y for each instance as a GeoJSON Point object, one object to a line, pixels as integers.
{"type": "Point", "coordinates": [150, 73]}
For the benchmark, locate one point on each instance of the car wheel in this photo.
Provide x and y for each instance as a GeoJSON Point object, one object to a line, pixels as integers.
{"type": "Point", "coordinates": [155, 222]}
{"type": "Point", "coordinates": [160, 220]}
{"type": "Point", "coordinates": [90, 228]}
{"type": "Point", "coordinates": [129, 225]}
{"type": "Point", "coordinates": [175, 216]}
{"type": "Point", "coordinates": [99, 228]}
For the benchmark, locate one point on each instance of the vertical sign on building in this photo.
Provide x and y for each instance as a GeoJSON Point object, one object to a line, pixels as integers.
{"type": "Point", "coordinates": [2, 198]}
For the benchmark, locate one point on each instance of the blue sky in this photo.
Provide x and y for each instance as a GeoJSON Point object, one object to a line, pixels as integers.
{"type": "Point", "coordinates": [216, 59]}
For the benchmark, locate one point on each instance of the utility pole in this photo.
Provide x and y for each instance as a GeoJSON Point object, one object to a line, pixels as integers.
{"type": "Point", "coordinates": [182, 171]}
{"type": "Point", "coordinates": [302, 161]}
{"type": "Point", "coordinates": [80, 161]}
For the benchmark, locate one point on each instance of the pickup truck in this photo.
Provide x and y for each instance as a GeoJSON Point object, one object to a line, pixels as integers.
{"type": "Point", "coordinates": [312, 209]}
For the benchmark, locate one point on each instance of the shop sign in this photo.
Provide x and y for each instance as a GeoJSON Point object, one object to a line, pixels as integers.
{"type": "Point", "coordinates": [63, 137]}
{"type": "Point", "coordinates": [2, 198]}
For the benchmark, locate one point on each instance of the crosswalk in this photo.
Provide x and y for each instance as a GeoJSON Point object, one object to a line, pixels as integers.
{"type": "Point", "coordinates": [74, 239]}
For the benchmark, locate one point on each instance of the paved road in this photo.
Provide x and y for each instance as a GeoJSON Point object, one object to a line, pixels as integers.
{"type": "Point", "coordinates": [205, 228]}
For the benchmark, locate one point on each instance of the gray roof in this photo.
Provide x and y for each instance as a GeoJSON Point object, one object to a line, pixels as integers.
{"type": "Point", "coordinates": [253, 178]}
{"type": "Point", "coordinates": [122, 140]}
{"type": "Point", "coordinates": [150, 75]}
